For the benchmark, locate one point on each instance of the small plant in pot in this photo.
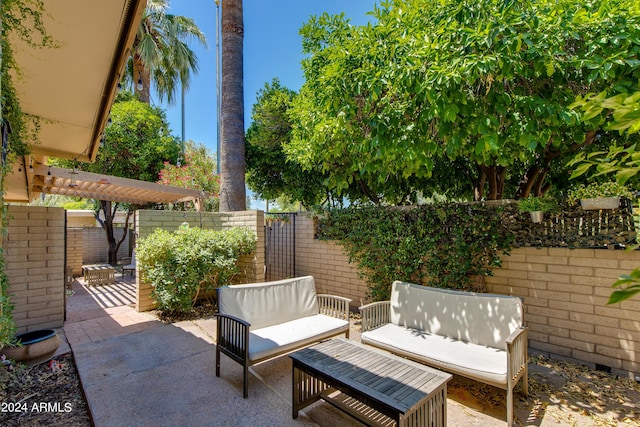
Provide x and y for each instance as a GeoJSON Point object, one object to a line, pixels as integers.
{"type": "Point", "coordinates": [537, 206]}
{"type": "Point", "coordinates": [598, 195]}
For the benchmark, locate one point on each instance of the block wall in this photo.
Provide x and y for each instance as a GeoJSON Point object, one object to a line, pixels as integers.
{"type": "Point", "coordinates": [34, 254]}
{"type": "Point", "coordinates": [328, 264]}
{"type": "Point", "coordinates": [251, 266]}
{"type": "Point", "coordinates": [565, 292]}
{"type": "Point", "coordinates": [95, 248]}
{"type": "Point", "coordinates": [75, 250]}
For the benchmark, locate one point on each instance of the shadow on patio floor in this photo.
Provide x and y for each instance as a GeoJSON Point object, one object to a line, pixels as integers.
{"type": "Point", "coordinates": [137, 370]}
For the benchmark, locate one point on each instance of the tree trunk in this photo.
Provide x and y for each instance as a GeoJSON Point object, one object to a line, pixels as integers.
{"type": "Point", "coordinates": [232, 144]}
{"type": "Point", "coordinates": [478, 188]}
{"type": "Point", "coordinates": [107, 225]}
{"type": "Point", "coordinates": [494, 176]}
{"type": "Point", "coordinates": [532, 183]}
{"type": "Point", "coordinates": [141, 76]}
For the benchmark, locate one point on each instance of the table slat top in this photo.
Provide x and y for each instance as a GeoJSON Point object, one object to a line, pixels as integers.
{"type": "Point", "coordinates": [97, 267]}
{"type": "Point", "coordinates": [397, 382]}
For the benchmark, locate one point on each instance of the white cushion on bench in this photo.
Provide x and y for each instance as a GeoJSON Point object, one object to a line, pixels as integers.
{"type": "Point", "coordinates": [283, 337]}
{"type": "Point", "coordinates": [483, 319]}
{"type": "Point", "coordinates": [475, 361]}
{"type": "Point", "coordinates": [271, 303]}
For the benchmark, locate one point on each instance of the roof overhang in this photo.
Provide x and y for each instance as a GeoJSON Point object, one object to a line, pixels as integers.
{"type": "Point", "coordinates": [69, 89]}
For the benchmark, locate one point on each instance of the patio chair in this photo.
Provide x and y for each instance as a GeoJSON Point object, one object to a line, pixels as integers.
{"type": "Point", "coordinates": [131, 268]}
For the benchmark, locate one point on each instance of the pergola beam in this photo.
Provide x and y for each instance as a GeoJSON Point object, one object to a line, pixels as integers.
{"type": "Point", "coordinates": [69, 182]}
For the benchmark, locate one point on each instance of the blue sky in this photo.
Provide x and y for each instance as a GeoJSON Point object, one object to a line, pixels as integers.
{"type": "Point", "coordinates": [272, 48]}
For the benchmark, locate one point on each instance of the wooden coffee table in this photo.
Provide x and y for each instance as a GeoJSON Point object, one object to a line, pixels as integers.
{"type": "Point", "coordinates": [373, 386]}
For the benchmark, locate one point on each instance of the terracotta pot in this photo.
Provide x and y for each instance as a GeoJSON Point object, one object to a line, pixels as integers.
{"type": "Point", "coordinates": [37, 347]}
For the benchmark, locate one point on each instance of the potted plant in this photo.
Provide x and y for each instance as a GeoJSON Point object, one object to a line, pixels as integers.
{"type": "Point", "coordinates": [598, 195]}
{"type": "Point", "coordinates": [33, 347]}
{"type": "Point", "coordinates": [537, 206]}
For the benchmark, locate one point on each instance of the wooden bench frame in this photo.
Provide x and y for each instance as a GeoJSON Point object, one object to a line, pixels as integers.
{"type": "Point", "coordinates": [377, 314]}
{"type": "Point", "coordinates": [233, 335]}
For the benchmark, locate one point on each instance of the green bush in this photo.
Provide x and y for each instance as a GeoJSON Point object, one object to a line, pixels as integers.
{"type": "Point", "coordinates": [598, 189]}
{"type": "Point", "coordinates": [443, 245]}
{"type": "Point", "coordinates": [182, 265]}
{"type": "Point", "coordinates": [537, 204]}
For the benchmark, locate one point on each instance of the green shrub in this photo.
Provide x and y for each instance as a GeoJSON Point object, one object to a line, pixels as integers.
{"type": "Point", "coordinates": [598, 189]}
{"type": "Point", "coordinates": [537, 204]}
{"type": "Point", "coordinates": [442, 245]}
{"type": "Point", "coordinates": [183, 264]}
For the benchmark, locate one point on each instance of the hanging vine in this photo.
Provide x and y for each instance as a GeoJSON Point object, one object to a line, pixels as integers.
{"type": "Point", "coordinates": [19, 19]}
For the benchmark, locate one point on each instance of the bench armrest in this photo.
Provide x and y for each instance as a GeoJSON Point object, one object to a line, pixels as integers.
{"type": "Point", "coordinates": [334, 306]}
{"type": "Point", "coordinates": [375, 314]}
{"type": "Point", "coordinates": [232, 337]}
{"type": "Point", "coordinates": [517, 354]}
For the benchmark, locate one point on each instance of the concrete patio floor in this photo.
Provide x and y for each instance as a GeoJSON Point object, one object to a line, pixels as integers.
{"type": "Point", "coordinates": [137, 371]}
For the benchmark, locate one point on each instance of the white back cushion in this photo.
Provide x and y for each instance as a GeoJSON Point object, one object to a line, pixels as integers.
{"type": "Point", "coordinates": [270, 303]}
{"type": "Point", "coordinates": [484, 319]}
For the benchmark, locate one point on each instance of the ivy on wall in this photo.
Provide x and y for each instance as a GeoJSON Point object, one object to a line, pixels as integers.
{"type": "Point", "coordinates": [450, 245]}
{"type": "Point", "coordinates": [443, 245]}
{"type": "Point", "coordinates": [23, 19]}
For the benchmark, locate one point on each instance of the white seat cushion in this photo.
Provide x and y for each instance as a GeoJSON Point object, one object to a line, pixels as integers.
{"type": "Point", "coordinates": [483, 319]}
{"type": "Point", "coordinates": [270, 303]}
{"type": "Point", "coordinates": [475, 361]}
{"type": "Point", "coordinates": [283, 337]}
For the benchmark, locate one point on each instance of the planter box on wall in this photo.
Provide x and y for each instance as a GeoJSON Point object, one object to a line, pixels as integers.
{"type": "Point", "coordinates": [600, 203]}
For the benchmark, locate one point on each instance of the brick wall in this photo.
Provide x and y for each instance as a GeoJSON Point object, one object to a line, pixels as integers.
{"type": "Point", "coordinates": [251, 266]}
{"type": "Point", "coordinates": [34, 254]}
{"type": "Point", "coordinates": [75, 251]}
{"type": "Point", "coordinates": [95, 248]}
{"type": "Point", "coordinates": [327, 263]}
{"type": "Point", "coordinates": [565, 293]}
{"type": "Point", "coordinates": [88, 245]}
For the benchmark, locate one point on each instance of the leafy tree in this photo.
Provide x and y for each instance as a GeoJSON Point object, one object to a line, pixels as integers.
{"type": "Point", "coordinates": [620, 112]}
{"type": "Point", "coordinates": [66, 202]}
{"type": "Point", "coordinates": [196, 173]}
{"type": "Point", "coordinates": [137, 143]}
{"type": "Point", "coordinates": [489, 81]}
{"type": "Point", "coordinates": [160, 53]}
{"type": "Point", "coordinates": [269, 174]}
{"type": "Point", "coordinates": [282, 204]}
{"type": "Point", "coordinates": [233, 195]}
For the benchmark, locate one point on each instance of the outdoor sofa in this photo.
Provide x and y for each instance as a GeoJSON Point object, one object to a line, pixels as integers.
{"type": "Point", "coordinates": [259, 321]}
{"type": "Point", "coordinates": [475, 335]}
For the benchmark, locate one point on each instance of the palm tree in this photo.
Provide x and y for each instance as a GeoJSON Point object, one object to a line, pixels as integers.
{"type": "Point", "coordinates": [160, 53]}
{"type": "Point", "coordinates": [232, 161]}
